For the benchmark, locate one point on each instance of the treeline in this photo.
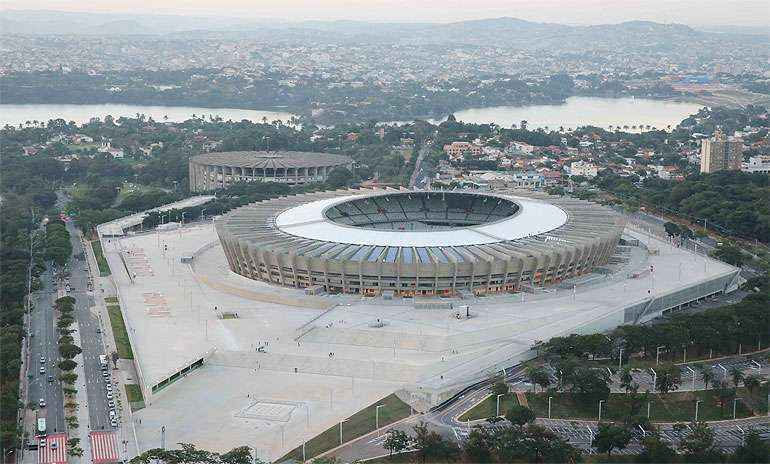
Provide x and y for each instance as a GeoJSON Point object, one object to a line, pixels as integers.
{"type": "Point", "coordinates": [58, 246]}
{"type": "Point", "coordinates": [714, 332]}
{"type": "Point", "coordinates": [731, 202]}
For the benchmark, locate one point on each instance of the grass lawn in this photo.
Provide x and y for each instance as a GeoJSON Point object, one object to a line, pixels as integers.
{"type": "Point", "coordinates": [111, 300]}
{"type": "Point", "coordinates": [355, 426]}
{"type": "Point", "coordinates": [119, 332]}
{"type": "Point", "coordinates": [134, 393]}
{"type": "Point", "coordinates": [488, 407]}
{"type": "Point", "coordinates": [673, 407]}
{"type": "Point", "coordinates": [101, 261]}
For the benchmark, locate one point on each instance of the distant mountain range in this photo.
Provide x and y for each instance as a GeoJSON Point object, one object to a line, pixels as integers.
{"type": "Point", "coordinates": [498, 31]}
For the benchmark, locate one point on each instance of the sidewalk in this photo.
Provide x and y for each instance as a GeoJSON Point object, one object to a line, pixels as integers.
{"type": "Point", "coordinates": [103, 288]}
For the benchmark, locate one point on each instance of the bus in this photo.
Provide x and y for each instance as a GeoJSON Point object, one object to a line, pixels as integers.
{"type": "Point", "coordinates": [41, 425]}
{"type": "Point", "coordinates": [103, 361]}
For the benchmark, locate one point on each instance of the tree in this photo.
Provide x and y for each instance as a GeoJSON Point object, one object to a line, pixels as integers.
{"type": "Point", "coordinates": [339, 177]}
{"type": "Point", "coordinates": [753, 449]}
{"type": "Point", "coordinates": [725, 394]}
{"type": "Point", "coordinates": [477, 446]}
{"type": "Point", "coordinates": [430, 444]}
{"type": "Point", "coordinates": [69, 351]}
{"type": "Point", "coordinates": [396, 442]}
{"type": "Point", "coordinates": [67, 365]}
{"type": "Point", "coordinates": [655, 450]}
{"type": "Point", "coordinates": [500, 388]}
{"type": "Point", "coordinates": [611, 437]}
{"type": "Point", "coordinates": [698, 445]}
{"type": "Point", "coordinates": [626, 379]}
{"type": "Point", "coordinates": [737, 375]}
{"type": "Point", "coordinates": [538, 376]}
{"type": "Point", "coordinates": [708, 376]}
{"type": "Point", "coordinates": [519, 415]}
{"type": "Point", "coordinates": [752, 383]}
{"type": "Point", "coordinates": [668, 379]}
{"type": "Point", "coordinates": [672, 229]}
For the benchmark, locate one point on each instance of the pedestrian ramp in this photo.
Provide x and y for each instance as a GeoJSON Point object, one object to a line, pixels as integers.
{"type": "Point", "coordinates": [104, 447]}
{"type": "Point", "coordinates": [55, 449]}
{"type": "Point", "coordinates": [303, 364]}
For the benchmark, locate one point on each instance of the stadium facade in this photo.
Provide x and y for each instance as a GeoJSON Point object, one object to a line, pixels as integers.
{"type": "Point", "coordinates": [214, 171]}
{"type": "Point", "coordinates": [418, 243]}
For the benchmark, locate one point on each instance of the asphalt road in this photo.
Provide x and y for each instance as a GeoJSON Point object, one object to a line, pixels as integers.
{"type": "Point", "coordinates": [44, 342]}
{"type": "Point", "coordinates": [90, 335]}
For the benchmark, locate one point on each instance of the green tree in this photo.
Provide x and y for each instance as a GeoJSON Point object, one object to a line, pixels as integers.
{"type": "Point", "coordinates": [698, 445]}
{"type": "Point", "coordinates": [610, 437]}
{"type": "Point", "coordinates": [67, 365]}
{"type": "Point", "coordinates": [519, 415]}
{"type": "Point", "coordinates": [500, 388]}
{"type": "Point", "coordinates": [655, 450]}
{"type": "Point", "coordinates": [737, 375]}
{"type": "Point", "coordinates": [431, 445]}
{"type": "Point", "coordinates": [538, 376]}
{"type": "Point", "coordinates": [339, 177]}
{"type": "Point", "coordinates": [668, 379]}
{"type": "Point", "coordinates": [627, 380]}
{"type": "Point", "coordinates": [752, 383]}
{"type": "Point", "coordinates": [396, 441]}
{"type": "Point", "coordinates": [707, 375]}
{"type": "Point", "coordinates": [753, 450]}
{"type": "Point", "coordinates": [477, 446]}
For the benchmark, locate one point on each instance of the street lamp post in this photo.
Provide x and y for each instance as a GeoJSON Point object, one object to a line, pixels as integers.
{"type": "Point", "coordinates": [693, 376]}
{"type": "Point", "coordinates": [657, 355]}
{"type": "Point", "coordinates": [620, 359]}
{"type": "Point", "coordinates": [377, 418]}
{"type": "Point", "coordinates": [649, 403]}
{"type": "Point", "coordinates": [697, 404]}
{"type": "Point", "coordinates": [654, 378]}
{"type": "Point", "coordinates": [735, 406]}
{"type": "Point", "coordinates": [343, 420]}
{"type": "Point", "coordinates": [600, 410]}
{"type": "Point", "coordinates": [549, 406]}
{"type": "Point", "coordinates": [183, 213]}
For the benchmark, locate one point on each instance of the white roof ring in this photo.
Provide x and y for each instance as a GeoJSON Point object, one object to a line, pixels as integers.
{"type": "Point", "coordinates": [533, 217]}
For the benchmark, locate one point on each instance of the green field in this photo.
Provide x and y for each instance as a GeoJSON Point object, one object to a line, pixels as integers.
{"type": "Point", "coordinates": [101, 261]}
{"type": "Point", "coordinates": [355, 426]}
{"type": "Point", "coordinates": [672, 407]}
{"type": "Point", "coordinates": [119, 332]}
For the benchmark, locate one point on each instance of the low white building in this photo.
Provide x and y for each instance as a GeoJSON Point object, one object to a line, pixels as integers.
{"type": "Point", "coordinates": [582, 168]}
{"type": "Point", "coordinates": [757, 164]}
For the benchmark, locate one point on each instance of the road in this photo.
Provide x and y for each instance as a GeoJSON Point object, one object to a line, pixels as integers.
{"type": "Point", "coordinates": [90, 334]}
{"type": "Point", "coordinates": [44, 342]}
{"type": "Point", "coordinates": [418, 178]}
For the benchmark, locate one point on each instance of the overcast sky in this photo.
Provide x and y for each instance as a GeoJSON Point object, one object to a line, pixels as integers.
{"type": "Point", "coordinates": [693, 12]}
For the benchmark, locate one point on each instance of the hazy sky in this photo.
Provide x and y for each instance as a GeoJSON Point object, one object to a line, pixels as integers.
{"type": "Point", "coordinates": [694, 12]}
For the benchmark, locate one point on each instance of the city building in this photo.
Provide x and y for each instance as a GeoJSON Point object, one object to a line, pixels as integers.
{"type": "Point", "coordinates": [457, 149]}
{"type": "Point", "coordinates": [419, 243]}
{"type": "Point", "coordinates": [582, 168]}
{"type": "Point", "coordinates": [757, 164]}
{"type": "Point", "coordinates": [213, 171]}
{"type": "Point", "coordinates": [721, 153]}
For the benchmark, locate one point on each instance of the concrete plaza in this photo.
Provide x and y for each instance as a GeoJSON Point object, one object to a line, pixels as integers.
{"type": "Point", "coordinates": [280, 366]}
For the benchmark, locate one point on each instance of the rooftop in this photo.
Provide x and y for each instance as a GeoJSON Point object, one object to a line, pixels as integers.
{"type": "Point", "coordinates": [271, 159]}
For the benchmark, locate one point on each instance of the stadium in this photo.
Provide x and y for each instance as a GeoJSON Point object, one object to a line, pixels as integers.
{"type": "Point", "coordinates": [418, 243]}
{"type": "Point", "coordinates": [213, 171]}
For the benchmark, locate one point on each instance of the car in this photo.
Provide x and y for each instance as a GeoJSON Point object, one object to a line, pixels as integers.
{"type": "Point", "coordinates": [112, 414]}
{"type": "Point", "coordinates": [108, 387]}
{"type": "Point", "coordinates": [111, 403]}
{"type": "Point", "coordinates": [42, 359]}
{"type": "Point", "coordinates": [54, 445]}
{"type": "Point", "coordinates": [50, 378]}
{"type": "Point", "coordinates": [42, 369]}
{"type": "Point", "coordinates": [109, 395]}
{"type": "Point", "coordinates": [114, 423]}
{"type": "Point", "coordinates": [98, 331]}
{"type": "Point", "coordinates": [41, 403]}
{"type": "Point", "coordinates": [42, 443]}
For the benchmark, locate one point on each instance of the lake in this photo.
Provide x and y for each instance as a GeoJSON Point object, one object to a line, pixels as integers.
{"type": "Point", "coordinates": [19, 114]}
{"type": "Point", "coordinates": [583, 111]}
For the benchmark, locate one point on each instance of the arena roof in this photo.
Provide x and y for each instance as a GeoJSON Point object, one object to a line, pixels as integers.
{"type": "Point", "coordinates": [271, 159]}
{"type": "Point", "coordinates": [533, 217]}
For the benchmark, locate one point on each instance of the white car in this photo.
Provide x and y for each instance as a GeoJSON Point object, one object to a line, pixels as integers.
{"type": "Point", "coordinates": [41, 443]}
{"type": "Point", "coordinates": [41, 403]}
{"type": "Point", "coordinates": [42, 359]}
{"type": "Point", "coordinates": [114, 423]}
{"type": "Point", "coordinates": [109, 395]}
